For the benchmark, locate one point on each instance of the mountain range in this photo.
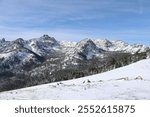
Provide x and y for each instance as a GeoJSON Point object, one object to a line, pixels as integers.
{"type": "Point", "coordinates": [41, 60]}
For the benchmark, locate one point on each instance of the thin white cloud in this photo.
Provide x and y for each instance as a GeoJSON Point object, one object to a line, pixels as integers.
{"type": "Point", "coordinates": [56, 9]}
{"type": "Point", "coordinates": [31, 18]}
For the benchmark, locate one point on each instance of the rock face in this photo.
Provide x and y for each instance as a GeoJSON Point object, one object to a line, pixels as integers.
{"type": "Point", "coordinates": [88, 49]}
{"type": "Point", "coordinates": [44, 58]}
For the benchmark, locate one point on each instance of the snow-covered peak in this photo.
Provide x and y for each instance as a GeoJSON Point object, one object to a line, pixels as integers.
{"type": "Point", "coordinates": [88, 49]}
{"type": "Point", "coordinates": [85, 43]}
{"type": "Point", "coordinates": [125, 47]}
{"type": "Point", "coordinates": [83, 50]}
{"type": "Point", "coordinates": [119, 45]}
{"type": "Point", "coordinates": [47, 38]}
{"type": "Point", "coordinates": [19, 42]}
{"type": "Point", "coordinates": [103, 43]}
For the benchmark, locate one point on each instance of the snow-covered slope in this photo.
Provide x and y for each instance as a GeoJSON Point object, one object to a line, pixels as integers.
{"type": "Point", "coordinates": [129, 82]}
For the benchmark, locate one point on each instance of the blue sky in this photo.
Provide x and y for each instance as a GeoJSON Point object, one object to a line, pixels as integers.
{"type": "Point", "coordinates": [74, 20]}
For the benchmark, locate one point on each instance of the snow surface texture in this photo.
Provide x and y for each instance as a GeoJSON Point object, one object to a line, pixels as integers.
{"type": "Point", "coordinates": [129, 82]}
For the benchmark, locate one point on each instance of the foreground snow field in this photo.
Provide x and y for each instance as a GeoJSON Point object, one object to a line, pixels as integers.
{"type": "Point", "coordinates": [129, 82]}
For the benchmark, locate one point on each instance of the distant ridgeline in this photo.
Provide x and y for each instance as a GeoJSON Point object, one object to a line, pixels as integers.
{"type": "Point", "coordinates": [42, 60]}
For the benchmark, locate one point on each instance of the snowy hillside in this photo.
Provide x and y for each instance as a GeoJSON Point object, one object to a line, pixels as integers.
{"type": "Point", "coordinates": [129, 82]}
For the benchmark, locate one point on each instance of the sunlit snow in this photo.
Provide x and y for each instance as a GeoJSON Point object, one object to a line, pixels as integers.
{"type": "Point", "coordinates": [129, 82]}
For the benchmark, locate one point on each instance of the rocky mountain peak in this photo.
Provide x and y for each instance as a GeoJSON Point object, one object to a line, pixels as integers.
{"type": "Point", "coordinates": [88, 49]}
{"type": "Point", "coordinates": [103, 43]}
{"type": "Point", "coordinates": [86, 43]}
{"type": "Point", "coordinates": [18, 43]}
{"type": "Point", "coordinates": [2, 40]}
{"type": "Point", "coordinates": [48, 38]}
